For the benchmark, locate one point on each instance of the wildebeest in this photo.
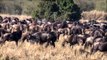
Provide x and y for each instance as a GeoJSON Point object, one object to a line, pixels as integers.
{"type": "Point", "coordinates": [99, 46]}
{"type": "Point", "coordinates": [14, 36]}
{"type": "Point", "coordinates": [76, 29]}
{"type": "Point", "coordinates": [73, 39]}
{"type": "Point", "coordinates": [43, 37]}
{"type": "Point", "coordinates": [50, 38]}
{"type": "Point", "coordinates": [35, 30]}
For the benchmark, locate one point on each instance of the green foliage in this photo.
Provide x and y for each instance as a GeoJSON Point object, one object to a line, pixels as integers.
{"type": "Point", "coordinates": [51, 9]}
{"type": "Point", "coordinates": [54, 9]}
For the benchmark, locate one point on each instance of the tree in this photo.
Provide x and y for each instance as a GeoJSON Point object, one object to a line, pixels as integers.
{"type": "Point", "coordinates": [53, 9]}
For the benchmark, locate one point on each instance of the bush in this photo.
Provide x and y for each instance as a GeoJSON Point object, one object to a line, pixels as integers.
{"type": "Point", "coordinates": [62, 9]}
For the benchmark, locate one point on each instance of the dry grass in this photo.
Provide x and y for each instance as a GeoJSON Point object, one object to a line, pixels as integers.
{"type": "Point", "coordinates": [18, 16]}
{"type": "Point", "coordinates": [94, 15]}
{"type": "Point", "coordinates": [27, 51]}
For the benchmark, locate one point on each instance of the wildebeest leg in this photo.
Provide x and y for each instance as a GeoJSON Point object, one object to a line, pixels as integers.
{"type": "Point", "coordinates": [71, 46]}
{"type": "Point", "coordinates": [16, 43]}
{"type": "Point", "coordinates": [93, 50]}
{"type": "Point", "coordinates": [48, 42]}
{"type": "Point", "coordinates": [23, 39]}
{"type": "Point", "coordinates": [2, 42]}
{"type": "Point", "coordinates": [87, 44]}
{"type": "Point", "coordinates": [63, 44]}
{"type": "Point", "coordinates": [52, 43]}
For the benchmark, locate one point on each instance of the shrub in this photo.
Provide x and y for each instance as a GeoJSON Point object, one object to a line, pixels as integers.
{"type": "Point", "coordinates": [63, 9]}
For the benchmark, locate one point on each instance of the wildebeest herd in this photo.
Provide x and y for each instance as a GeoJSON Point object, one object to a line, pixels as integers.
{"type": "Point", "coordinates": [89, 34]}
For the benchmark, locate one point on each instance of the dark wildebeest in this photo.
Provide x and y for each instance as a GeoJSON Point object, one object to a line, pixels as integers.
{"type": "Point", "coordinates": [15, 35]}
{"type": "Point", "coordinates": [35, 37]}
{"type": "Point", "coordinates": [76, 28]}
{"type": "Point", "coordinates": [99, 46]}
{"type": "Point", "coordinates": [89, 41]}
{"type": "Point", "coordinates": [49, 37]}
{"type": "Point", "coordinates": [42, 37]}
{"type": "Point", "coordinates": [73, 39]}
{"type": "Point", "coordinates": [98, 33]}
